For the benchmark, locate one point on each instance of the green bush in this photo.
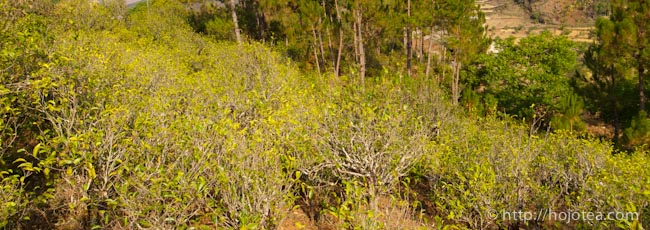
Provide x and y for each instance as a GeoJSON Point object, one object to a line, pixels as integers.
{"type": "Point", "coordinates": [139, 122]}
{"type": "Point", "coordinates": [492, 166]}
{"type": "Point", "coordinates": [530, 79]}
{"type": "Point", "coordinates": [638, 134]}
{"type": "Point", "coordinates": [219, 28]}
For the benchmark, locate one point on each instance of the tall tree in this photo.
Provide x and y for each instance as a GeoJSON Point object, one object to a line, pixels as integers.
{"type": "Point", "coordinates": [409, 38]}
{"type": "Point", "coordinates": [620, 52]}
{"type": "Point", "coordinates": [311, 13]}
{"type": "Point", "coordinates": [640, 12]}
{"type": "Point", "coordinates": [360, 44]}
{"type": "Point", "coordinates": [463, 22]}
{"type": "Point", "coordinates": [233, 12]}
{"type": "Point", "coordinates": [339, 24]}
{"type": "Point", "coordinates": [610, 59]}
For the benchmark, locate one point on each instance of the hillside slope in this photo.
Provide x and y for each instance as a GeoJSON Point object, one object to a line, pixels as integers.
{"type": "Point", "coordinates": [507, 18]}
{"type": "Point", "coordinates": [144, 123]}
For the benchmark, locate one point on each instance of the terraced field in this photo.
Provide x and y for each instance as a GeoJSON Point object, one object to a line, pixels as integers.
{"type": "Point", "coordinates": [505, 18]}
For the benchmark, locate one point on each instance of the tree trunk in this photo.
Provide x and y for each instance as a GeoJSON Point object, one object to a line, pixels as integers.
{"type": "Point", "coordinates": [404, 42]}
{"type": "Point", "coordinates": [261, 22]}
{"type": "Point", "coordinates": [325, 11]}
{"type": "Point", "coordinates": [362, 53]}
{"type": "Point", "coordinates": [322, 49]}
{"type": "Point", "coordinates": [421, 45]}
{"type": "Point", "coordinates": [337, 72]}
{"type": "Point", "coordinates": [455, 83]}
{"type": "Point", "coordinates": [233, 11]}
{"type": "Point", "coordinates": [430, 52]}
{"type": "Point", "coordinates": [259, 28]}
{"type": "Point", "coordinates": [409, 54]}
{"type": "Point", "coordinates": [614, 101]}
{"type": "Point", "coordinates": [641, 49]}
{"type": "Point", "coordinates": [330, 48]}
{"type": "Point", "coordinates": [356, 40]}
{"type": "Point", "coordinates": [444, 63]}
{"type": "Point", "coordinates": [338, 55]}
{"type": "Point", "coordinates": [642, 99]}
{"type": "Point", "coordinates": [313, 30]}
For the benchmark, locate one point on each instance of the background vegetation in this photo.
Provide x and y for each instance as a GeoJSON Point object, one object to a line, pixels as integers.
{"type": "Point", "coordinates": [160, 116]}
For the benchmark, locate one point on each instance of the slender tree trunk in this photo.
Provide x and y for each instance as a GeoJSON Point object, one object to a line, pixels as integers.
{"type": "Point", "coordinates": [444, 63]}
{"type": "Point", "coordinates": [261, 21]}
{"type": "Point", "coordinates": [458, 67]}
{"type": "Point", "coordinates": [337, 72]}
{"type": "Point", "coordinates": [455, 88]}
{"type": "Point", "coordinates": [409, 54]}
{"type": "Point", "coordinates": [404, 42]}
{"type": "Point", "coordinates": [356, 40]}
{"type": "Point", "coordinates": [325, 11]}
{"type": "Point", "coordinates": [614, 101]}
{"type": "Point", "coordinates": [259, 28]}
{"type": "Point", "coordinates": [322, 49]}
{"type": "Point", "coordinates": [641, 46]}
{"type": "Point", "coordinates": [338, 11]}
{"type": "Point", "coordinates": [362, 53]}
{"type": "Point", "coordinates": [330, 48]}
{"type": "Point", "coordinates": [430, 52]}
{"type": "Point", "coordinates": [338, 55]}
{"type": "Point", "coordinates": [421, 45]}
{"type": "Point", "coordinates": [641, 72]}
{"type": "Point", "coordinates": [313, 30]}
{"type": "Point", "coordinates": [233, 11]}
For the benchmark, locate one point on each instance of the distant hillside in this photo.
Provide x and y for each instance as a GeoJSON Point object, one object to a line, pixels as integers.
{"type": "Point", "coordinates": [567, 12]}
{"type": "Point", "coordinates": [519, 18]}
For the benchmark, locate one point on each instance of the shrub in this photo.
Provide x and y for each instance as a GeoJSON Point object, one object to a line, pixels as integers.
{"type": "Point", "coordinates": [638, 134]}
{"type": "Point", "coordinates": [145, 124]}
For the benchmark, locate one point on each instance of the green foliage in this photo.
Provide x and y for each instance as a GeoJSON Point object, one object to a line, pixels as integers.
{"type": "Point", "coordinates": [12, 196]}
{"type": "Point", "coordinates": [487, 167]}
{"type": "Point", "coordinates": [125, 121]}
{"type": "Point", "coordinates": [638, 133]}
{"type": "Point", "coordinates": [619, 61]}
{"type": "Point", "coordinates": [532, 78]}
{"type": "Point", "coordinates": [570, 108]}
{"type": "Point", "coordinates": [374, 128]}
{"type": "Point", "coordinates": [464, 21]}
{"type": "Point", "coordinates": [23, 60]}
{"type": "Point", "coordinates": [160, 19]}
{"type": "Point", "coordinates": [220, 28]}
{"type": "Point", "coordinates": [120, 120]}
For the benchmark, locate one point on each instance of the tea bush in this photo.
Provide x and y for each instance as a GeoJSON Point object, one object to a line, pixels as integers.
{"type": "Point", "coordinates": [494, 166]}
{"type": "Point", "coordinates": [133, 120]}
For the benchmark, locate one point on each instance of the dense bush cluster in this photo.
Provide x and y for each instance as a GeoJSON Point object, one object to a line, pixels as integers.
{"type": "Point", "coordinates": [125, 120]}
{"type": "Point", "coordinates": [497, 165]}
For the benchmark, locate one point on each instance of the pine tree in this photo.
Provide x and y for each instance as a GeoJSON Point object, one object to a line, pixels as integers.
{"type": "Point", "coordinates": [610, 59]}
{"type": "Point", "coordinates": [640, 12]}
{"type": "Point", "coordinates": [463, 23]}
